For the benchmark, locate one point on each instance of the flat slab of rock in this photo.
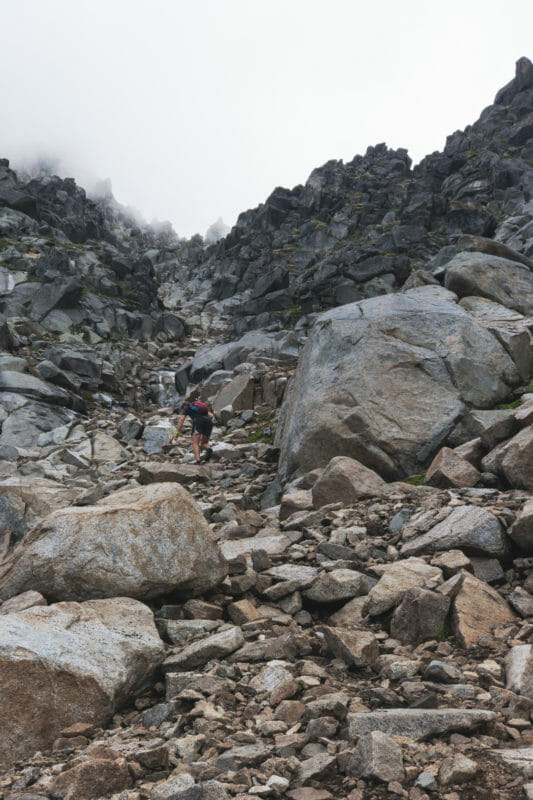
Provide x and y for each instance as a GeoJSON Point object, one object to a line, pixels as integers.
{"type": "Point", "coordinates": [30, 386]}
{"type": "Point", "coordinates": [139, 543]}
{"type": "Point", "coordinates": [417, 723]}
{"type": "Point", "coordinates": [302, 575]}
{"type": "Point", "coordinates": [22, 601]}
{"type": "Point", "coordinates": [198, 653]}
{"type": "Point", "coordinates": [339, 584]}
{"type": "Point", "coordinates": [520, 759]}
{"type": "Point", "coordinates": [274, 544]}
{"type": "Point", "coordinates": [70, 662]}
{"type": "Point", "coordinates": [168, 472]}
{"type": "Point", "coordinates": [472, 529]}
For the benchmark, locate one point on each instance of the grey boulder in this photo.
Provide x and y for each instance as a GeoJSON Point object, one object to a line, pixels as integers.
{"type": "Point", "coordinates": [139, 543]}
{"type": "Point", "coordinates": [384, 381]}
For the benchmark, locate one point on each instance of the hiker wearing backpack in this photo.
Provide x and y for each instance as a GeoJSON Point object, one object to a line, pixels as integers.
{"type": "Point", "coordinates": [202, 425]}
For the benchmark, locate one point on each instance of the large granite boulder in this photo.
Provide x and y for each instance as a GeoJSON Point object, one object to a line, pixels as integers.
{"type": "Point", "coordinates": [499, 279]}
{"type": "Point", "coordinates": [139, 543]}
{"type": "Point", "coordinates": [385, 380]}
{"type": "Point", "coordinates": [68, 663]}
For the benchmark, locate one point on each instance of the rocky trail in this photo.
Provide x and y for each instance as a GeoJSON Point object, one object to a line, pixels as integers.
{"type": "Point", "coordinates": [339, 603]}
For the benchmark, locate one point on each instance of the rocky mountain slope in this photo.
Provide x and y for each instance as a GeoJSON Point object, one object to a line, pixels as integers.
{"type": "Point", "coordinates": [340, 603]}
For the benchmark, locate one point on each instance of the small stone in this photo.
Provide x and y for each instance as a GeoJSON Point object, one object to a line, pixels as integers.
{"type": "Point", "coordinates": [290, 711]}
{"type": "Point", "coordinates": [315, 767]}
{"type": "Point", "coordinates": [242, 611]}
{"type": "Point", "coordinates": [457, 769]}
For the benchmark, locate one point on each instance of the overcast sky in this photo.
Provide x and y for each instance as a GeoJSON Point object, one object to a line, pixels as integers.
{"type": "Point", "coordinates": [197, 110]}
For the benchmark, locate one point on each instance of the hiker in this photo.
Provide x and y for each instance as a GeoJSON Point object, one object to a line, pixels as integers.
{"type": "Point", "coordinates": [202, 425]}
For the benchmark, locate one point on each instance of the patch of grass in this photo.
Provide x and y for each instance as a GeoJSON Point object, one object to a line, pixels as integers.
{"type": "Point", "coordinates": [265, 431]}
{"type": "Point", "coordinates": [505, 406]}
{"type": "Point", "coordinates": [444, 632]}
{"type": "Point", "coordinates": [416, 480]}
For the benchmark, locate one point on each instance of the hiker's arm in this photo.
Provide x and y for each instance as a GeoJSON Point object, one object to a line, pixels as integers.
{"type": "Point", "coordinates": [180, 424]}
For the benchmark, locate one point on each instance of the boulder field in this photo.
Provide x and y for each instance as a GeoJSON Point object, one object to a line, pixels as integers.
{"type": "Point", "coordinates": [339, 602]}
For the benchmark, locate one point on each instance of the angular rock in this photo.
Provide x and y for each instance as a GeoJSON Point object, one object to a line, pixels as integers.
{"type": "Point", "coordinates": [272, 675]}
{"type": "Point", "coordinates": [506, 282]}
{"type": "Point", "coordinates": [295, 501]}
{"type": "Point", "coordinates": [518, 759]}
{"type": "Point", "coordinates": [21, 602]}
{"type": "Point", "coordinates": [457, 769]}
{"type": "Point", "coordinates": [521, 601]}
{"type": "Point", "coordinates": [449, 470]}
{"type": "Point", "coordinates": [107, 449]}
{"type": "Point", "coordinates": [25, 501]}
{"type": "Point", "coordinates": [395, 581]}
{"type": "Point", "coordinates": [420, 616]}
{"type": "Point", "coordinates": [472, 529]}
{"type": "Point", "coordinates": [93, 778]}
{"type": "Point", "coordinates": [130, 428]}
{"type": "Point", "coordinates": [71, 662]}
{"type": "Point", "coordinates": [247, 755]}
{"type": "Point", "coordinates": [158, 436]}
{"type": "Point", "coordinates": [273, 544]}
{"type": "Point", "coordinates": [157, 535]}
{"type": "Point", "coordinates": [521, 532]}
{"type": "Point", "coordinates": [517, 462]}
{"type": "Point", "coordinates": [316, 767]}
{"type": "Point", "coordinates": [238, 393]}
{"type": "Point", "coordinates": [339, 584]}
{"type": "Point", "coordinates": [26, 423]}
{"type": "Point", "coordinates": [376, 756]}
{"type": "Point", "coordinates": [345, 481]}
{"type": "Point", "coordinates": [33, 387]}
{"type": "Point", "coordinates": [417, 723]}
{"type": "Point", "coordinates": [519, 669]}
{"type": "Point", "coordinates": [477, 609]}
{"type": "Point", "coordinates": [216, 646]}
{"type": "Point", "coordinates": [168, 472]}
{"type": "Point", "coordinates": [357, 648]}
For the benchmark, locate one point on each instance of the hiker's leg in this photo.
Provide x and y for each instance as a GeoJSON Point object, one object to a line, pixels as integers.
{"type": "Point", "coordinates": [204, 441]}
{"type": "Point", "coordinates": [196, 445]}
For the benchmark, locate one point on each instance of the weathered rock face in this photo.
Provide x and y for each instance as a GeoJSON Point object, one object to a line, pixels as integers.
{"type": "Point", "coordinates": [68, 663]}
{"type": "Point", "coordinates": [139, 543]}
{"type": "Point", "coordinates": [385, 380]}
